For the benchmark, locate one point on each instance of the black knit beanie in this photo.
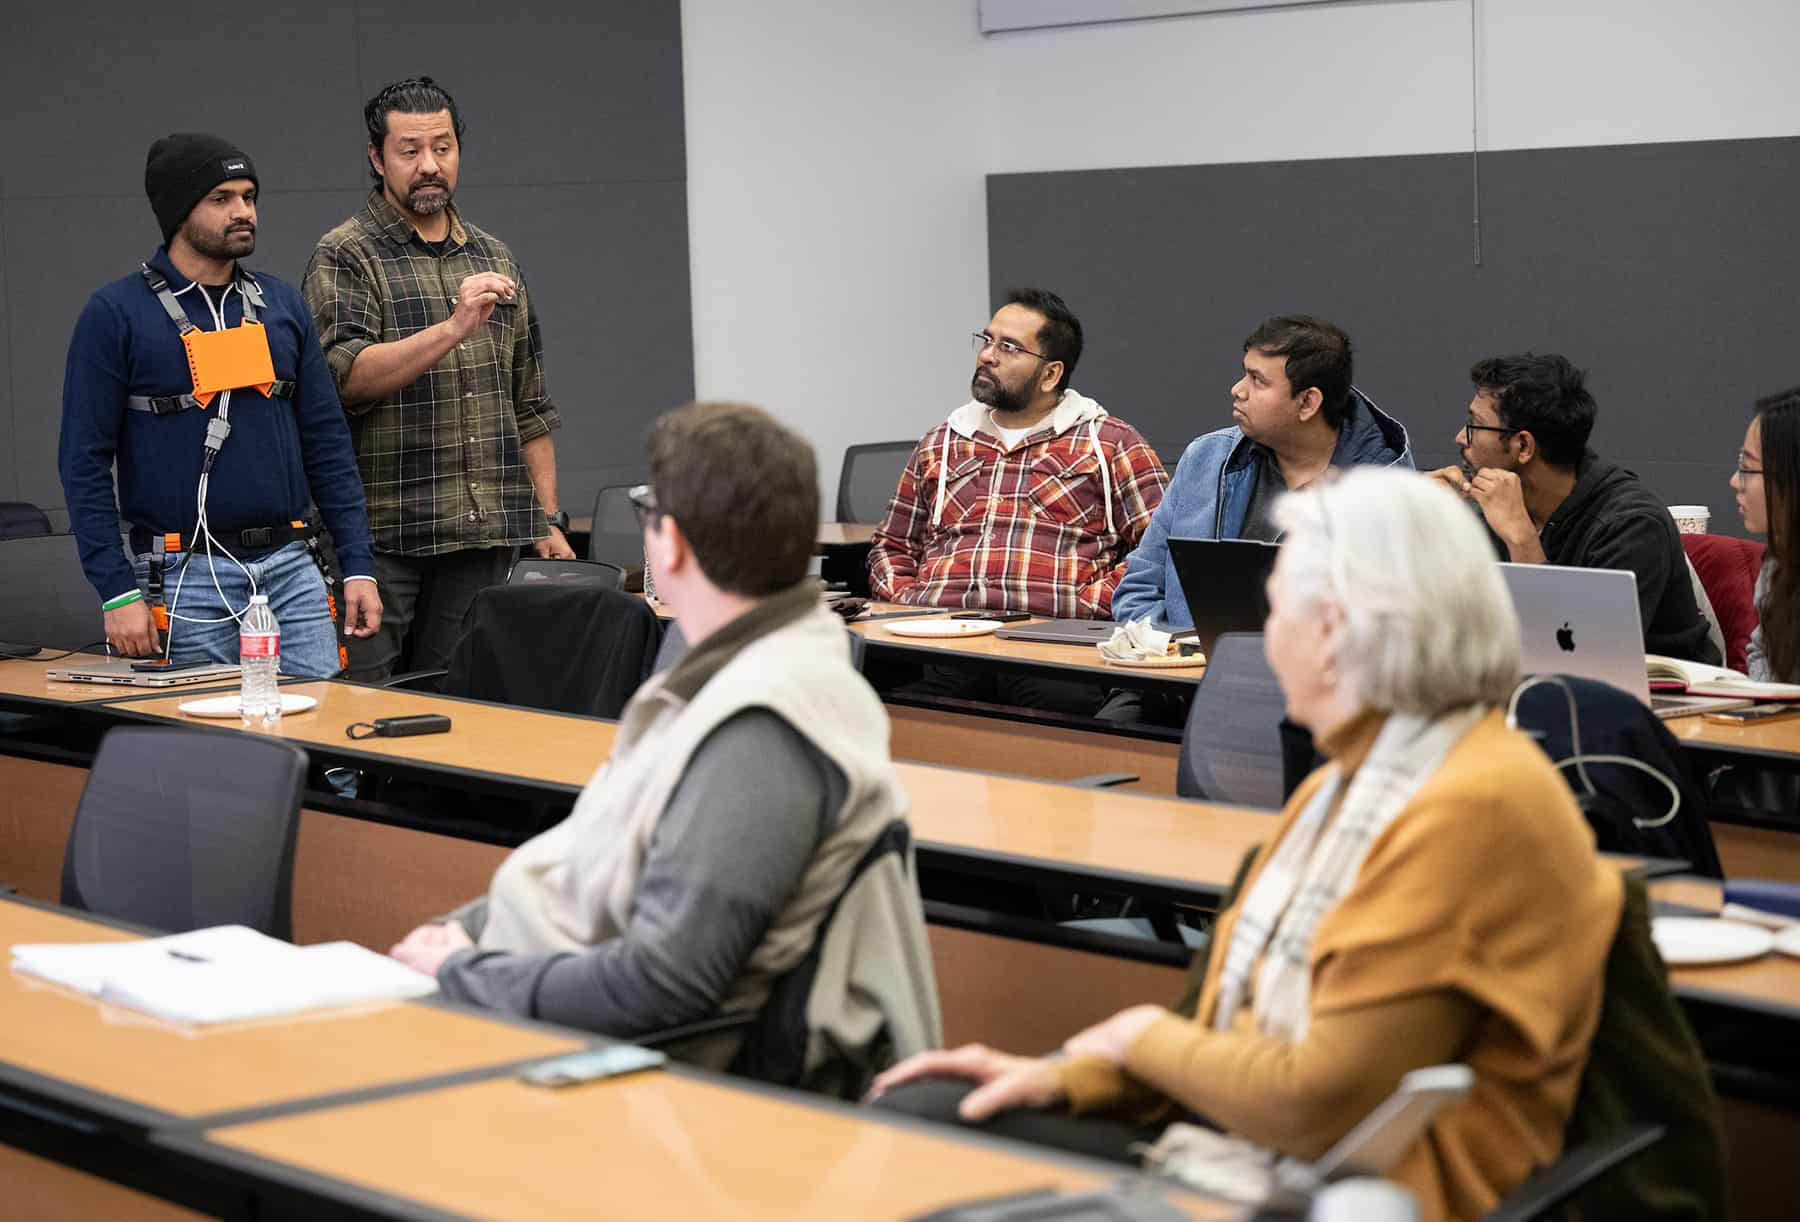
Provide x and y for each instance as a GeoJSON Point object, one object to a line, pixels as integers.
{"type": "Point", "coordinates": [183, 167]}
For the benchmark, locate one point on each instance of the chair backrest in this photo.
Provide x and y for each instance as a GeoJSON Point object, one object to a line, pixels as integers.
{"type": "Point", "coordinates": [562, 646]}
{"type": "Point", "coordinates": [527, 569]}
{"type": "Point", "coordinates": [1645, 1066]}
{"type": "Point", "coordinates": [1231, 750]}
{"type": "Point", "coordinates": [180, 829]}
{"type": "Point", "coordinates": [45, 598]}
{"type": "Point", "coordinates": [873, 1013]}
{"type": "Point", "coordinates": [1727, 569]}
{"type": "Point", "coordinates": [869, 478]}
{"type": "Point", "coordinates": [21, 520]}
{"type": "Point", "coordinates": [616, 538]}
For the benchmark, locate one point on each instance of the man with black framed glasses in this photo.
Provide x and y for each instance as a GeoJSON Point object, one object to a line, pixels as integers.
{"type": "Point", "coordinates": [1030, 496]}
{"type": "Point", "coordinates": [1549, 499]}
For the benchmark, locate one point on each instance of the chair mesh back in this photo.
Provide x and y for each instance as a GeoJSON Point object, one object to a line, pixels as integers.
{"type": "Point", "coordinates": [869, 479]}
{"type": "Point", "coordinates": [181, 829]}
{"type": "Point", "coordinates": [22, 520]}
{"type": "Point", "coordinates": [616, 538]}
{"type": "Point", "coordinates": [1231, 749]}
{"type": "Point", "coordinates": [528, 569]}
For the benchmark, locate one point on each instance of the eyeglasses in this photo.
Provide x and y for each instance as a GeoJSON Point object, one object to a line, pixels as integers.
{"type": "Point", "coordinates": [643, 499]}
{"type": "Point", "coordinates": [981, 341]}
{"type": "Point", "coordinates": [1470, 428]}
{"type": "Point", "coordinates": [1744, 471]}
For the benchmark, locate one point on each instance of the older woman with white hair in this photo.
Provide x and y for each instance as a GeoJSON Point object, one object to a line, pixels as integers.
{"type": "Point", "coordinates": [1431, 894]}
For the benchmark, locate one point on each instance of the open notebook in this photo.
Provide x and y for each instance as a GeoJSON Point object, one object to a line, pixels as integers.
{"type": "Point", "coordinates": [1699, 679]}
{"type": "Point", "coordinates": [224, 974]}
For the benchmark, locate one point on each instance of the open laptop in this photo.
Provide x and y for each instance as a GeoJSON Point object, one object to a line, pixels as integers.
{"type": "Point", "coordinates": [119, 672]}
{"type": "Point", "coordinates": [1224, 583]}
{"type": "Point", "coordinates": [1585, 622]}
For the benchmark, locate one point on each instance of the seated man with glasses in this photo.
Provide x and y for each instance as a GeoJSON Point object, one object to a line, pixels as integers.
{"type": "Point", "coordinates": [1549, 499]}
{"type": "Point", "coordinates": [746, 785]}
{"type": "Point", "coordinates": [1030, 496]}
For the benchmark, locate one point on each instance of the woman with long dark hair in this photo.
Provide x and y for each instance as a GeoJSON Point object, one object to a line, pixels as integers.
{"type": "Point", "coordinates": [1767, 483]}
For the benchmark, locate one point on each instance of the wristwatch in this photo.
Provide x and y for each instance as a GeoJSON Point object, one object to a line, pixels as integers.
{"type": "Point", "coordinates": [560, 520]}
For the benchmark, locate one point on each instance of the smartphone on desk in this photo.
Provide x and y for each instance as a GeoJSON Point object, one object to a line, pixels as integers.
{"type": "Point", "coordinates": [999, 617]}
{"type": "Point", "coordinates": [1755, 715]}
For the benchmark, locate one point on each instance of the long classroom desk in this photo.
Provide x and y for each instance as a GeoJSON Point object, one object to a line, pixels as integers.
{"type": "Point", "coordinates": [412, 1109]}
{"type": "Point", "coordinates": [1751, 843]}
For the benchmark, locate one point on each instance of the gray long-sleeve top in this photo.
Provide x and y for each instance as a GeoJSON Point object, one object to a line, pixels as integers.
{"type": "Point", "coordinates": [727, 854]}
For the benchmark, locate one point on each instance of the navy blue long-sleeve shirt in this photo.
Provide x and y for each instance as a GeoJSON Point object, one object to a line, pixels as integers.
{"type": "Point", "coordinates": [283, 455]}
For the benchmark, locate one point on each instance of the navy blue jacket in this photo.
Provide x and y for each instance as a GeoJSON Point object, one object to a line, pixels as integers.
{"type": "Point", "coordinates": [283, 455]}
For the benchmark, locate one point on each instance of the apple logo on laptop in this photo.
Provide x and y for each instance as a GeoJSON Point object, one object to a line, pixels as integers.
{"type": "Point", "coordinates": [1565, 640]}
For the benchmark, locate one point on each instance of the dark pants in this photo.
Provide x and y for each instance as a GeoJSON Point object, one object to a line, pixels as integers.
{"type": "Point", "coordinates": [1095, 1136]}
{"type": "Point", "coordinates": [423, 602]}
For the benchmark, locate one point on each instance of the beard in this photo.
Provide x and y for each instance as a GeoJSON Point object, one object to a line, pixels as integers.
{"type": "Point", "coordinates": [232, 242]}
{"type": "Point", "coordinates": [984, 387]}
{"type": "Point", "coordinates": [427, 205]}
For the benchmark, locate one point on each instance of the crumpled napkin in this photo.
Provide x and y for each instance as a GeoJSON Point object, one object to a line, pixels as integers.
{"type": "Point", "coordinates": [1136, 641]}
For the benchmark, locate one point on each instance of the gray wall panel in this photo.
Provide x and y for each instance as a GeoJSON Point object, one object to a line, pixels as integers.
{"type": "Point", "coordinates": [575, 158]}
{"type": "Point", "coordinates": [551, 93]}
{"type": "Point", "coordinates": [88, 85]}
{"type": "Point", "coordinates": [1664, 270]}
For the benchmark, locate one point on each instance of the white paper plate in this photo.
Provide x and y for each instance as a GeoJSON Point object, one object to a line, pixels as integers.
{"type": "Point", "coordinates": [1788, 941]}
{"type": "Point", "coordinates": [227, 706]}
{"type": "Point", "coordinates": [943, 627]}
{"type": "Point", "coordinates": [1684, 941]}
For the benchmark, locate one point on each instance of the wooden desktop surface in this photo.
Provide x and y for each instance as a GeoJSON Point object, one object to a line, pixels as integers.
{"type": "Point", "coordinates": [24, 677]}
{"type": "Point", "coordinates": [650, 1145]}
{"type": "Point", "coordinates": [489, 738]}
{"type": "Point", "coordinates": [62, 1035]}
{"type": "Point", "coordinates": [1779, 737]}
{"type": "Point", "coordinates": [1772, 981]}
{"type": "Point", "coordinates": [1112, 830]}
{"type": "Point", "coordinates": [991, 647]}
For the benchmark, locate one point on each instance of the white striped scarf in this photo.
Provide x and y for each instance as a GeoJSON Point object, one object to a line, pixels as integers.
{"type": "Point", "coordinates": [1314, 865]}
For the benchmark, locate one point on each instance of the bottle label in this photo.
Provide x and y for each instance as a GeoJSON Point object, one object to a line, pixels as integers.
{"type": "Point", "coordinates": [259, 644]}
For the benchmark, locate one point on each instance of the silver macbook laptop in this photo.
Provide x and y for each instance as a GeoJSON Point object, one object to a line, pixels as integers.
{"type": "Point", "coordinates": [120, 672]}
{"type": "Point", "coordinates": [1061, 632]}
{"type": "Point", "coordinates": [1585, 622]}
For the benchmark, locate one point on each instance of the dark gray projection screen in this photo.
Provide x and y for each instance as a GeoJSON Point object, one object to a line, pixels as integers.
{"type": "Point", "coordinates": [1668, 271]}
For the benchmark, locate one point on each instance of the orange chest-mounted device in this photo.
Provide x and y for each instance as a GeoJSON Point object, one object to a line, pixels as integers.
{"type": "Point", "coordinates": [231, 358]}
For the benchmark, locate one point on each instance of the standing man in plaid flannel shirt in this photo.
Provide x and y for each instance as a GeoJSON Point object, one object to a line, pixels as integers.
{"type": "Point", "coordinates": [1030, 496]}
{"type": "Point", "coordinates": [431, 336]}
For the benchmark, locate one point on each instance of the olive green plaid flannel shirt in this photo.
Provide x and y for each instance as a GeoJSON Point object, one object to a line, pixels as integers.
{"type": "Point", "coordinates": [440, 459]}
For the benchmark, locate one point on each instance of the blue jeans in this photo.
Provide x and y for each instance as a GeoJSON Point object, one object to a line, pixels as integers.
{"type": "Point", "coordinates": [296, 591]}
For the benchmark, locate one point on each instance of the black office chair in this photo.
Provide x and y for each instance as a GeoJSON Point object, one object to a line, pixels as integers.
{"type": "Point", "coordinates": [22, 520]}
{"type": "Point", "coordinates": [616, 537]}
{"type": "Point", "coordinates": [1232, 749]}
{"type": "Point", "coordinates": [45, 598]}
{"type": "Point", "coordinates": [561, 646]}
{"type": "Point", "coordinates": [529, 569]}
{"type": "Point", "coordinates": [868, 478]}
{"type": "Point", "coordinates": [180, 829]}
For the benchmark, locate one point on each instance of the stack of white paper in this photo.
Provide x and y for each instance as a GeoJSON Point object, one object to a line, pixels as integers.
{"type": "Point", "coordinates": [223, 974]}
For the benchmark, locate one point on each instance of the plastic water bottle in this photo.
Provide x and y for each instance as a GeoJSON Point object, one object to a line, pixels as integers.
{"type": "Point", "coordinates": [259, 660]}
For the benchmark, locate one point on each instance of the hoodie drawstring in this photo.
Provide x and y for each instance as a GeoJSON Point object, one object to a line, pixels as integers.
{"type": "Point", "coordinates": [1105, 475]}
{"type": "Point", "coordinates": [937, 509]}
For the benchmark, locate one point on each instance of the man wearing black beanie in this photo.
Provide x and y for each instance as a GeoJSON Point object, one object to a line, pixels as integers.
{"type": "Point", "coordinates": [216, 477]}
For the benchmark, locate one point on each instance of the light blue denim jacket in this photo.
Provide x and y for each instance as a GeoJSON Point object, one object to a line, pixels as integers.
{"type": "Point", "coordinates": [1210, 493]}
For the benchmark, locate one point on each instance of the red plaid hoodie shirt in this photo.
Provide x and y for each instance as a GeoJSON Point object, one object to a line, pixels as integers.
{"type": "Point", "coordinates": [1044, 527]}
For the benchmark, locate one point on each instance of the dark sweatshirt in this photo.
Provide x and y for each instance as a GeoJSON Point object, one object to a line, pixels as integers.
{"type": "Point", "coordinates": [1610, 520]}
